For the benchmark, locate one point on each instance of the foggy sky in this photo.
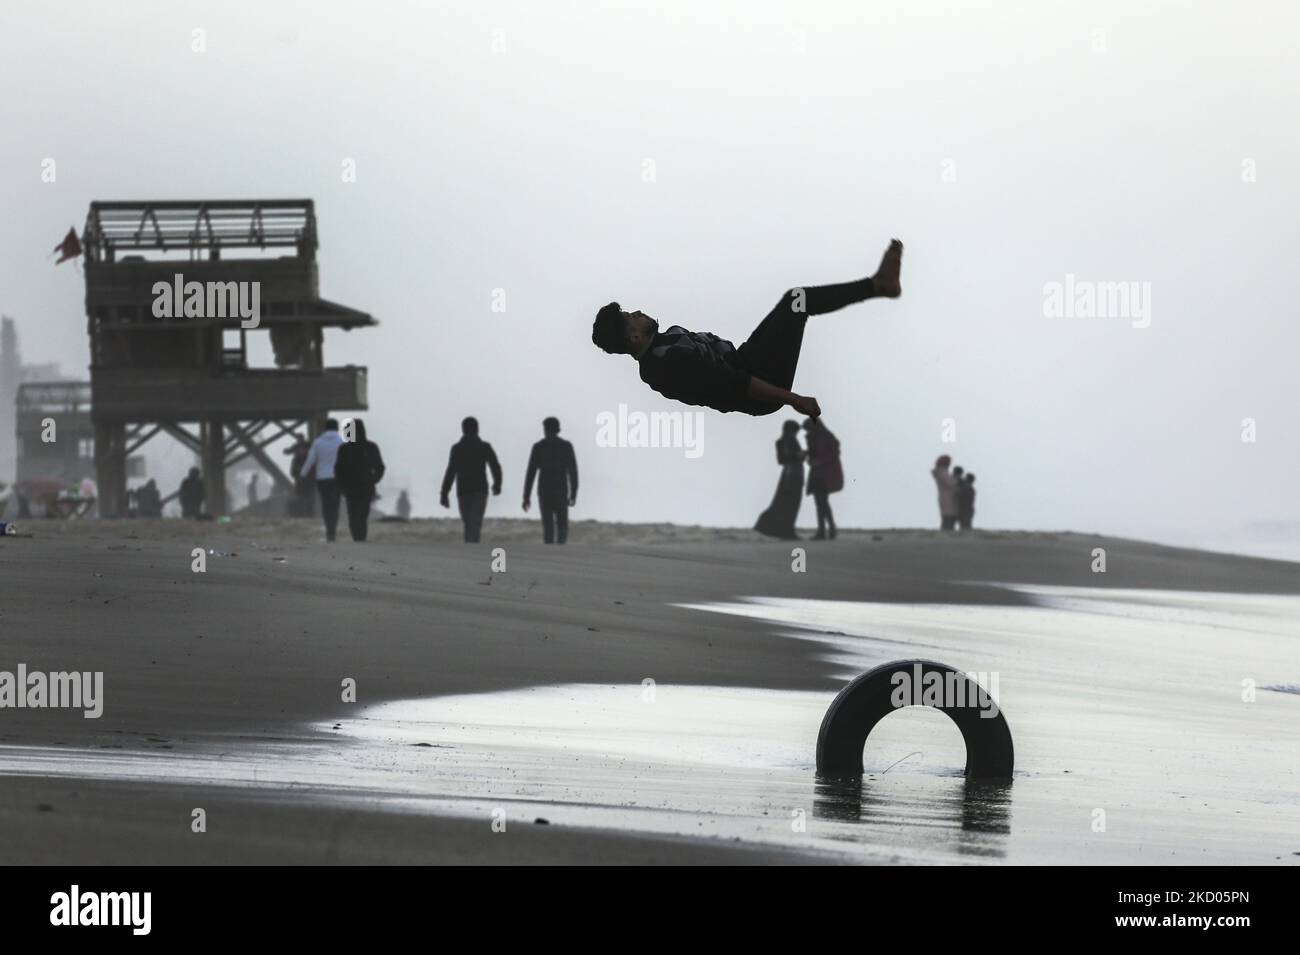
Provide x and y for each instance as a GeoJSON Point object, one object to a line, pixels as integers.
{"type": "Point", "coordinates": [1008, 144]}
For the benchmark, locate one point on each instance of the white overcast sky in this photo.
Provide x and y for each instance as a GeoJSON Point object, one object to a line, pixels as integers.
{"type": "Point", "coordinates": [790, 141]}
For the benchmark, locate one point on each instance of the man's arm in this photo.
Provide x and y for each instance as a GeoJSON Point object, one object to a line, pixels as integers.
{"type": "Point", "coordinates": [530, 475]}
{"type": "Point", "coordinates": [495, 467]}
{"type": "Point", "coordinates": [310, 463]}
{"type": "Point", "coordinates": [760, 390]}
{"type": "Point", "coordinates": [573, 474]}
{"type": "Point", "coordinates": [449, 476]}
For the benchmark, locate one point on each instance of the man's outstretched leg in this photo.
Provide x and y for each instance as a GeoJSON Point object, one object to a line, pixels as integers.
{"type": "Point", "coordinates": [771, 353]}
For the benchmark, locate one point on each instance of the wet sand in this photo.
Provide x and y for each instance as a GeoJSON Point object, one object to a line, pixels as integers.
{"type": "Point", "coordinates": [223, 689]}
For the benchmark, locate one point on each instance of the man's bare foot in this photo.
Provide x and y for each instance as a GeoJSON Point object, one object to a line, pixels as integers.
{"type": "Point", "coordinates": [885, 281]}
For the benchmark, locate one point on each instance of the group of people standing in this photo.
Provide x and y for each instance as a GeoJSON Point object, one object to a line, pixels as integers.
{"type": "Point", "coordinates": [347, 470]}
{"type": "Point", "coordinates": [825, 477]}
{"type": "Point", "coordinates": [351, 470]}
{"type": "Point", "coordinates": [145, 500]}
{"type": "Point", "coordinates": [552, 464]}
{"type": "Point", "coordinates": [956, 495]}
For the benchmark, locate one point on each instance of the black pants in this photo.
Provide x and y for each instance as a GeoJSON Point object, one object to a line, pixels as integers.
{"type": "Point", "coordinates": [948, 522]}
{"type": "Point", "coordinates": [824, 515]}
{"type": "Point", "coordinates": [822, 498]}
{"type": "Point", "coordinates": [301, 502]}
{"type": "Point", "coordinates": [772, 351]}
{"type": "Point", "coordinates": [472, 506]}
{"type": "Point", "coordinates": [358, 514]}
{"type": "Point", "coordinates": [329, 505]}
{"type": "Point", "coordinates": [555, 519]}
{"type": "Point", "coordinates": [965, 519]}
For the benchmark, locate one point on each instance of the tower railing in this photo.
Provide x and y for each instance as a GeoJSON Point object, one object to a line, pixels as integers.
{"type": "Point", "coordinates": [178, 225]}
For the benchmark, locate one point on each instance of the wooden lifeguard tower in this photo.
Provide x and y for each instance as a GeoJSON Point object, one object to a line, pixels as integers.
{"type": "Point", "coordinates": [189, 377]}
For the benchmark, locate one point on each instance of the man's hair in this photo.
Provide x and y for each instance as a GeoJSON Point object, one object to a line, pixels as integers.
{"type": "Point", "coordinates": [551, 425]}
{"type": "Point", "coordinates": [958, 471]}
{"type": "Point", "coordinates": [970, 479]}
{"type": "Point", "coordinates": [607, 331]}
{"type": "Point", "coordinates": [331, 424]}
{"type": "Point", "coordinates": [469, 426]}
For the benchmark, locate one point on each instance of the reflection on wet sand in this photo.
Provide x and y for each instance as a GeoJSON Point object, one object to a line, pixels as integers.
{"type": "Point", "coordinates": [1146, 723]}
{"type": "Point", "coordinates": [968, 817]}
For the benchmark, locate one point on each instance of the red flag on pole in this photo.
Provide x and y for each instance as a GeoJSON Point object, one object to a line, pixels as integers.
{"type": "Point", "coordinates": [69, 248]}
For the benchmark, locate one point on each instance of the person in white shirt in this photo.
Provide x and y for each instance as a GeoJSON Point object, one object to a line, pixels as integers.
{"type": "Point", "coordinates": [321, 456]}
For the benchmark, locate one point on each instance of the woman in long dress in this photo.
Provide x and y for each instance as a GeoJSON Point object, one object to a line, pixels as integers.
{"type": "Point", "coordinates": [778, 520]}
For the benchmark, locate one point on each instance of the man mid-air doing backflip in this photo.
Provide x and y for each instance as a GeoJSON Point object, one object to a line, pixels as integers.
{"type": "Point", "coordinates": [700, 368]}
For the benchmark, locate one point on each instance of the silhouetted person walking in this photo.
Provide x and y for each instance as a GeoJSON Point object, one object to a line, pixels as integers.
{"type": "Point", "coordinates": [299, 504]}
{"type": "Point", "coordinates": [825, 474]}
{"type": "Point", "coordinates": [778, 520]}
{"type": "Point", "coordinates": [321, 458]}
{"type": "Point", "coordinates": [150, 499]}
{"type": "Point", "coordinates": [946, 484]}
{"type": "Point", "coordinates": [700, 368]}
{"type": "Point", "coordinates": [357, 469]}
{"type": "Point", "coordinates": [552, 461]}
{"type": "Point", "coordinates": [471, 458]}
{"type": "Point", "coordinates": [966, 502]}
{"type": "Point", "coordinates": [404, 506]}
{"type": "Point", "coordinates": [191, 494]}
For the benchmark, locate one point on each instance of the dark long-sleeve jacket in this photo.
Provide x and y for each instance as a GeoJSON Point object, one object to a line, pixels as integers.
{"type": "Point", "coordinates": [554, 463]}
{"type": "Point", "coordinates": [358, 468]}
{"type": "Point", "coordinates": [965, 498]}
{"type": "Point", "coordinates": [191, 494]}
{"type": "Point", "coordinates": [471, 458]}
{"type": "Point", "coordinates": [825, 472]}
{"type": "Point", "coordinates": [697, 368]}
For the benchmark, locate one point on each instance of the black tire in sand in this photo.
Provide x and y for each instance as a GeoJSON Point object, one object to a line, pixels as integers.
{"type": "Point", "coordinates": [871, 697]}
